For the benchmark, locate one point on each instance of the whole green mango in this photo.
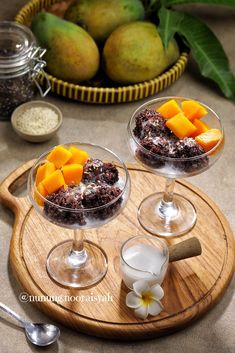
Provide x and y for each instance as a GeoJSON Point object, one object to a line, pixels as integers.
{"type": "Point", "coordinates": [72, 55]}
{"type": "Point", "coordinates": [134, 53]}
{"type": "Point", "coordinates": [101, 17]}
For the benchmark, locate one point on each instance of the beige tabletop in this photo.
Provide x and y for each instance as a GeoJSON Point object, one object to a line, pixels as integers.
{"type": "Point", "coordinates": [106, 125]}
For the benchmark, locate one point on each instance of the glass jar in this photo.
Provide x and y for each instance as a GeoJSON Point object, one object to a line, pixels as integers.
{"type": "Point", "coordinates": [20, 64]}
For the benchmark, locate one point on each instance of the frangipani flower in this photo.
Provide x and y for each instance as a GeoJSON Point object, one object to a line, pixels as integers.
{"type": "Point", "coordinates": [144, 299]}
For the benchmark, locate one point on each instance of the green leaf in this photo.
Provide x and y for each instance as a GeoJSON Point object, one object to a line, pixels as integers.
{"type": "Point", "coordinates": [169, 24]}
{"type": "Point", "coordinates": [205, 47]}
{"type": "Point", "coordinates": [230, 3]}
{"type": "Point", "coordinates": [208, 53]}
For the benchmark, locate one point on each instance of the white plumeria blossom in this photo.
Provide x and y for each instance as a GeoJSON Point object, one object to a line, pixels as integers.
{"type": "Point", "coordinates": [144, 299]}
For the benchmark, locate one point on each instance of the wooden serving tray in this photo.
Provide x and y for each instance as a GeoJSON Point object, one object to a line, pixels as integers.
{"type": "Point", "coordinates": [191, 286]}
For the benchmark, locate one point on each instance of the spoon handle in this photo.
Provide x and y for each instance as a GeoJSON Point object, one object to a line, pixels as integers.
{"type": "Point", "coordinates": [11, 313]}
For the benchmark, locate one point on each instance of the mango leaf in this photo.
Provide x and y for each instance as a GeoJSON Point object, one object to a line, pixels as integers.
{"type": "Point", "coordinates": [230, 3]}
{"type": "Point", "coordinates": [169, 23]}
{"type": "Point", "coordinates": [205, 47]}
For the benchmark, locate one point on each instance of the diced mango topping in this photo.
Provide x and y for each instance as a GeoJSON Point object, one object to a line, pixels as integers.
{"type": "Point", "coordinates": [44, 170]}
{"type": "Point", "coordinates": [59, 156]}
{"type": "Point", "coordinates": [201, 127]}
{"type": "Point", "coordinates": [193, 110]}
{"type": "Point", "coordinates": [54, 181]}
{"type": "Point", "coordinates": [169, 109]}
{"type": "Point", "coordinates": [180, 126]}
{"type": "Point", "coordinates": [42, 191]}
{"type": "Point", "coordinates": [209, 139]}
{"type": "Point", "coordinates": [78, 156]}
{"type": "Point", "coordinates": [72, 173]}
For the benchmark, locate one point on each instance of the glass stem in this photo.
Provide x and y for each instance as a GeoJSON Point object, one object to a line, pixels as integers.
{"type": "Point", "coordinates": [78, 255]}
{"type": "Point", "coordinates": [167, 208]}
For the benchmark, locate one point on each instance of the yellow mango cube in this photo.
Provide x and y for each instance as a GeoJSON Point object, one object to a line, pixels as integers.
{"type": "Point", "coordinates": [44, 170]}
{"type": "Point", "coordinates": [78, 156]}
{"type": "Point", "coordinates": [209, 139]}
{"type": "Point", "coordinates": [193, 110]}
{"type": "Point", "coordinates": [59, 156]}
{"type": "Point", "coordinates": [41, 191]}
{"type": "Point", "coordinates": [54, 181]}
{"type": "Point", "coordinates": [169, 109]}
{"type": "Point", "coordinates": [201, 127]}
{"type": "Point", "coordinates": [72, 173]}
{"type": "Point", "coordinates": [181, 126]}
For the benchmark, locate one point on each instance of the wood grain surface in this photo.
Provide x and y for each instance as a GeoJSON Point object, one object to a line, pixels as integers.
{"type": "Point", "coordinates": [191, 286]}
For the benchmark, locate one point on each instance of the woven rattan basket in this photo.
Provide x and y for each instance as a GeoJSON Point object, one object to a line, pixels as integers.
{"type": "Point", "coordinates": [90, 94]}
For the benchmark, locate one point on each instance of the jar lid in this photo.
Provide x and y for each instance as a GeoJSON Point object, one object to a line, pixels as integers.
{"type": "Point", "coordinates": [16, 44]}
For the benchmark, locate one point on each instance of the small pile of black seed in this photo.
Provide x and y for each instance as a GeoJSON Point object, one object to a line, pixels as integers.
{"type": "Point", "coordinates": [96, 195]}
{"type": "Point", "coordinates": [150, 123]}
{"type": "Point", "coordinates": [154, 136]}
{"type": "Point", "coordinates": [68, 198]}
{"type": "Point", "coordinates": [96, 170]}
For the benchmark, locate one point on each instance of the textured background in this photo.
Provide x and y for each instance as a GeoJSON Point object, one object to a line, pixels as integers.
{"type": "Point", "coordinates": [214, 333]}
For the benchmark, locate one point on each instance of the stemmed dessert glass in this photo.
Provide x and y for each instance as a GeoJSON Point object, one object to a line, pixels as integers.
{"type": "Point", "coordinates": [166, 213]}
{"type": "Point", "coordinates": [80, 263]}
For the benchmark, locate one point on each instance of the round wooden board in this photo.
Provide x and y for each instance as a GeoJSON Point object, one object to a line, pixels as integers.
{"type": "Point", "coordinates": [191, 286]}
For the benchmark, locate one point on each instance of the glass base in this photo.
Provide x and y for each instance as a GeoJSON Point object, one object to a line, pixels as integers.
{"type": "Point", "coordinates": [77, 269]}
{"type": "Point", "coordinates": [164, 220]}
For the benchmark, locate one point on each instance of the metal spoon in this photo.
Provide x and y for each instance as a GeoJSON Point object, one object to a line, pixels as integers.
{"type": "Point", "coordinates": [38, 334]}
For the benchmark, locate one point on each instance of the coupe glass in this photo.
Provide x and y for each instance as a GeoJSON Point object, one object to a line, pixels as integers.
{"type": "Point", "coordinates": [166, 213]}
{"type": "Point", "coordinates": [80, 263]}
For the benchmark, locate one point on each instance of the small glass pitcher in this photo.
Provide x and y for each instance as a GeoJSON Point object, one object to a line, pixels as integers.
{"type": "Point", "coordinates": [144, 258]}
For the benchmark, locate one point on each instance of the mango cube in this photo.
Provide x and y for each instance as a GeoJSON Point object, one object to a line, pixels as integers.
{"type": "Point", "coordinates": [201, 127]}
{"type": "Point", "coordinates": [72, 173]}
{"type": "Point", "coordinates": [193, 110]}
{"type": "Point", "coordinates": [181, 126]}
{"type": "Point", "coordinates": [78, 156]}
{"type": "Point", "coordinates": [209, 139]}
{"type": "Point", "coordinates": [54, 181]}
{"type": "Point", "coordinates": [44, 170]}
{"type": "Point", "coordinates": [169, 109]}
{"type": "Point", "coordinates": [42, 191]}
{"type": "Point", "coordinates": [59, 156]}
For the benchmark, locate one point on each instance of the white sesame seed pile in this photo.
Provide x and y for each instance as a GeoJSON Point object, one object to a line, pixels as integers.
{"type": "Point", "coordinates": [37, 120]}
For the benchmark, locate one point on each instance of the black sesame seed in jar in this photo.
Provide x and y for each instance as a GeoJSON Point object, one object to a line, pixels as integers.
{"type": "Point", "coordinates": [20, 63]}
{"type": "Point", "coordinates": [15, 91]}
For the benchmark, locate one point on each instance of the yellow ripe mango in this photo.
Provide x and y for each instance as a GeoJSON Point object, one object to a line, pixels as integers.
{"type": "Point", "coordinates": [54, 181]}
{"type": "Point", "coordinates": [72, 173]}
{"type": "Point", "coordinates": [44, 170]}
{"type": "Point", "coordinates": [169, 109]}
{"type": "Point", "coordinates": [181, 126]}
{"type": "Point", "coordinates": [193, 110]}
{"type": "Point", "coordinates": [59, 156]}
{"type": "Point", "coordinates": [201, 127]}
{"type": "Point", "coordinates": [42, 191]}
{"type": "Point", "coordinates": [78, 156]}
{"type": "Point", "coordinates": [209, 139]}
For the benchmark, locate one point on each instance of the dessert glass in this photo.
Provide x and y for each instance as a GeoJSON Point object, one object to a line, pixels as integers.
{"type": "Point", "coordinates": [80, 263]}
{"type": "Point", "coordinates": [166, 213]}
